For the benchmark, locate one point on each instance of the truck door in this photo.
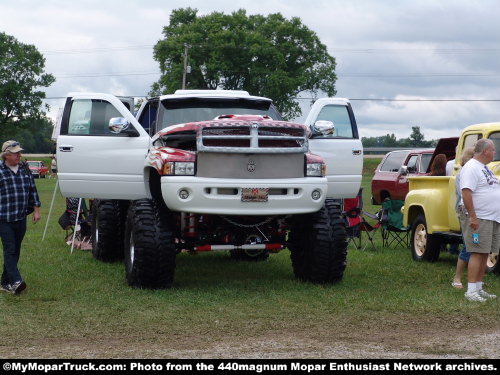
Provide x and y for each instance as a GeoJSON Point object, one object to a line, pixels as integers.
{"type": "Point", "coordinates": [92, 160]}
{"type": "Point", "coordinates": [402, 185]}
{"type": "Point", "coordinates": [342, 149]}
{"type": "Point", "coordinates": [128, 102]}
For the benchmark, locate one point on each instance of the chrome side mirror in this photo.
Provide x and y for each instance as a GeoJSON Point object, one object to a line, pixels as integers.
{"type": "Point", "coordinates": [323, 127]}
{"type": "Point", "coordinates": [118, 125]}
{"type": "Point", "coordinates": [403, 171]}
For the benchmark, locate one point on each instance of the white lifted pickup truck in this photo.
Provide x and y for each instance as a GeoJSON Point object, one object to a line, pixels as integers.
{"type": "Point", "coordinates": [204, 170]}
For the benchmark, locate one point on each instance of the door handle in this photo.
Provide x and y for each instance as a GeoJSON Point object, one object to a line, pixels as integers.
{"type": "Point", "coordinates": [356, 152]}
{"type": "Point", "coordinates": [65, 148]}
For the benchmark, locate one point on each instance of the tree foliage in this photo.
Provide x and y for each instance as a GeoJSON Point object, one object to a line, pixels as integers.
{"type": "Point", "coordinates": [416, 139]}
{"type": "Point", "coordinates": [21, 73]}
{"type": "Point", "coordinates": [266, 55]}
{"type": "Point", "coordinates": [416, 136]}
{"type": "Point", "coordinates": [34, 134]}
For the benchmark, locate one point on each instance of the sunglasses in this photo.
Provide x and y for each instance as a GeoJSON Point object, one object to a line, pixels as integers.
{"type": "Point", "coordinates": [13, 144]}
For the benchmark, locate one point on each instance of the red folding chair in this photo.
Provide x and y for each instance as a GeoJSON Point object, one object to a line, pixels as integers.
{"type": "Point", "coordinates": [356, 223]}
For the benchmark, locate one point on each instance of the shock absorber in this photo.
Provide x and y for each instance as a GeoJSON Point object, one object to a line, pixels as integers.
{"type": "Point", "coordinates": [188, 224]}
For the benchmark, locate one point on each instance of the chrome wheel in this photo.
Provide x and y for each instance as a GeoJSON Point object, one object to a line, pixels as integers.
{"type": "Point", "coordinates": [420, 239]}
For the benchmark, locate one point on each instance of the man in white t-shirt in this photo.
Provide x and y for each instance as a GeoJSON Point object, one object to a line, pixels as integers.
{"type": "Point", "coordinates": [481, 218]}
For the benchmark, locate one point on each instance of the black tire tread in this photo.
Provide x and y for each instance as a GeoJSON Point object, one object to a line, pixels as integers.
{"type": "Point", "coordinates": [318, 247]}
{"type": "Point", "coordinates": [155, 251]}
{"type": "Point", "coordinates": [109, 215]}
{"type": "Point", "coordinates": [339, 236]}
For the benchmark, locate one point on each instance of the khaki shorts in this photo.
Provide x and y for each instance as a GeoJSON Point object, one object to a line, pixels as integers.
{"type": "Point", "coordinates": [489, 235]}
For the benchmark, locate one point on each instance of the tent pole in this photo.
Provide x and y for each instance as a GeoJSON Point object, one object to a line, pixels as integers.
{"type": "Point", "coordinates": [76, 223]}
{"type": "Point", "coordinates": [50, 210]}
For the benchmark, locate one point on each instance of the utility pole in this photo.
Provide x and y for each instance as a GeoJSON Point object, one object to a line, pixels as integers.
{"type": "Point", "coordinates": [186, 47]}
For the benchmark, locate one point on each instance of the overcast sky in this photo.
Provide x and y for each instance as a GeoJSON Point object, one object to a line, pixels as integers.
{"type": "Point", "coordinates": [416, 49]}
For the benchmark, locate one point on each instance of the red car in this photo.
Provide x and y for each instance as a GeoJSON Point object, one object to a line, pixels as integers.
{"type": "Point", "coordinates": [391, 175]}
{"type": "Point", "coordinates": [38, 168]}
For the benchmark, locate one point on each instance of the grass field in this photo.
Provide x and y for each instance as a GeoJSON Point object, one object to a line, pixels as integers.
{"type": "Point", "coordinates": [77, 306]}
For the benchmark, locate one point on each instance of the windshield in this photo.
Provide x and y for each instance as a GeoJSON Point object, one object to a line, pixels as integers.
{"type": "Point", "coordinates": [425, 159]}
{"type": "Point", "coordinates": [33, 164]}
{"type": "Point", "coordinates": [495, 137]}
{"type": "Point", "coordinates": [180, 111]}
{"type": "Point", "coordinates": [393, 161]}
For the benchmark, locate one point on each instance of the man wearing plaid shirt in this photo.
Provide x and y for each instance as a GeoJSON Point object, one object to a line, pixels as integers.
{"type": "Point", "coordinates": [18, 197]}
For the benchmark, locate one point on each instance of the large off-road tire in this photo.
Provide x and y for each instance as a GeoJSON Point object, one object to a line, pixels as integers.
{"type": "Point", "coordinates": [108, 228]}
{"type": "Point", "coordinates": [493, 264]}
{"type": "Point", "coordinates": [424, 246]}
{"type": "Point", "coordinates": [339, 234]}
{"type": "Point", "coordinates": [149, 246]}
{"type": "Point", "coordinates": [318, 247]}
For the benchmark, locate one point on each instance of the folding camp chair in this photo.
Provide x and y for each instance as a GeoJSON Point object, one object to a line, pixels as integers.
{"type": "Point", "coordinates": [356, 223]}
{"type": "Point", "coordinates": [393, 230]}
{"type": "Point", "coordinates": [82, 238]}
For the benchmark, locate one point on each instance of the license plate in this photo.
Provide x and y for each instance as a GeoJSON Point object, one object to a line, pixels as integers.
{"type": "Point", "coordinates": [254, 194]}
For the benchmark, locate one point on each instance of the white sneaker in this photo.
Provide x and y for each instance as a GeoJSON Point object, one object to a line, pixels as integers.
{"type": "Point", "coordinates": [18, 287]}
{"type": "Point", "coordinates": [6, 288]}
{"type": "Point", "coordinates": [474, 296]}
{"type": "Point", "coordinates": [486, 295]}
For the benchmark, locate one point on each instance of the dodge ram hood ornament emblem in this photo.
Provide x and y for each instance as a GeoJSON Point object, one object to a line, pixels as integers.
{"type": "Point", "coordinates": [251, 166]}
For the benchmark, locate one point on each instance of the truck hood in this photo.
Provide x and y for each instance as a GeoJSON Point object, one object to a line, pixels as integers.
{"type": "Point", "coordinates": [445, 146]}
{"type": "Point", "coordinates": [230, 120]}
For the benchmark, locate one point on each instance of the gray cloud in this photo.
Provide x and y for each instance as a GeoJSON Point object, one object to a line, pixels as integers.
{"type": "Point", "coordinates": [418, 37]}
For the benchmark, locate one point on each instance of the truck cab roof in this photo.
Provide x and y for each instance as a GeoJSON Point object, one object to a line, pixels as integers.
{"type": "Point", "coordinates": [488, 126]}
{"type": "Point", "coordinates": [212, 94]}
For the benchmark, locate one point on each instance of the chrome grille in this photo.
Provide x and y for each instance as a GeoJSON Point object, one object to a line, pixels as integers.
{"type": "Point", "coordinates": [252, 137]}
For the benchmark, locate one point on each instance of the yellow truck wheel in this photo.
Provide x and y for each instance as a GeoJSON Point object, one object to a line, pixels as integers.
{"type": "Point", "coordinates": [492, 264]}
{"type": "Point", "coordinates": [424, 246]}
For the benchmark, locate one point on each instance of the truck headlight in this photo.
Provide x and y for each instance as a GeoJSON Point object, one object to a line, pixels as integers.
{"type": "Point", "coordinates": [179, 168]}
{"type": "Point", "coordinates": [184, 168]}
{"type": "Point", "coordinates": [315, 170]}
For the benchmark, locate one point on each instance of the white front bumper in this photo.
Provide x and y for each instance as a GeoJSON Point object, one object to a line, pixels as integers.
{"type": "Point", "coordinates": [294, 195]}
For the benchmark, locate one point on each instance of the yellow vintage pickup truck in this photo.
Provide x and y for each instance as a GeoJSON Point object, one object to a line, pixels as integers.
{"type": "Point", "coordinates": [430, 204]}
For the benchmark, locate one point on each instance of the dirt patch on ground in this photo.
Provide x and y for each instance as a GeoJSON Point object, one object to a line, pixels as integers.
{"type": "Point", "coordinates": [400, 343]}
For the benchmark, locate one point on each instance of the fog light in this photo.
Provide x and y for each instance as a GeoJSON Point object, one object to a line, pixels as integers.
{"type": "Point", "coordinates": [183, 194]}
{"type": "Point", "coordinates": [316, 194]}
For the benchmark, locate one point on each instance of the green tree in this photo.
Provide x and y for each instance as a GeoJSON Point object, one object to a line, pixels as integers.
{"type": "Point", "coordinates": [266, 55]}
{"type": "Point", "coordinates": [21, 73]}
{"type": "Point", "coordinates": [389, 140]}
{"type": "Point", "coordinates": [369, 141]}
{"type": "Point", "coordinates": [416, 137]}
{"type": "Point", "coordinates": [34, 134]}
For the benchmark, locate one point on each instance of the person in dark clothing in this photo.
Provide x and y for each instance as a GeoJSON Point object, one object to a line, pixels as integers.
{"type": "Point", "coordinates": [18, 198]}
